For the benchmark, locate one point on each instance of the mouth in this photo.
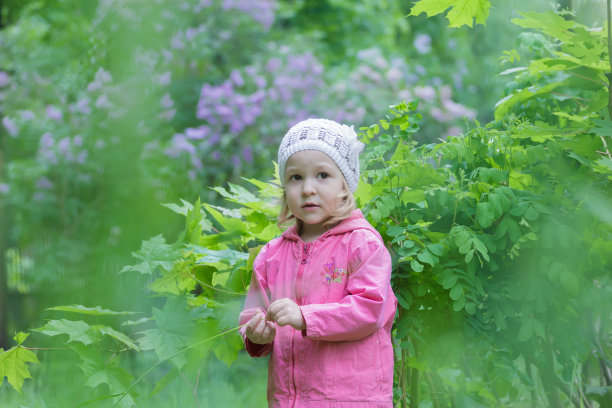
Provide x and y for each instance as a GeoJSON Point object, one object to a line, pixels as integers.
{"type": "Point", "coordinates": [310, 206]}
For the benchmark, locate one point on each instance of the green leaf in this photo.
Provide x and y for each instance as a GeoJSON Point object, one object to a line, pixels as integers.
{"type": "Point", "coordinates": [100, 372]}
{"type": "Point", "coordinates": [549, 23]}
{"type": "Point", "coordinates": [526, 330]}
{"type": "Point", "coordinates": [173, 331]}
{"type": "Point", "coordinates": [76, 330]}
{"type": "Point", "coordinates": [463, 12]}
{"type": "Point", "coordinates": [154, 253]}
{"type": "Point", "coordinates": [570, 282]}
{"type": "Point", "coordinates": [14, 365]}
{"type": "Point", "coordinates": [456, 292]}
{"type": "Point", "coordinates": [226, 256]}
{"type": "Point", "coordinates": [449, 281]}
{"type": "Point", "coordinates": [503, 107]}
{"type": "Point", "coordinates": [485, 214]}
{"type": "Point", "coordinates": [437, 249]}
{"type": "Point", "coordinates": [417, 267]}
{"type": "Point", "coordinates": [21, 337]}
{"type": "Point", "coordinates": [117, 335]}
{"type": "Point", "coordinates": [97, 311]}
{"type": "Point", "coordinates": [183, 210]}
{"type": "Point", "coordinates": [459, 303]}
{"type": "Point", "coordinates": [426, 257]}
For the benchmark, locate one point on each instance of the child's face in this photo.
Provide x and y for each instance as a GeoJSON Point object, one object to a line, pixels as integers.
{"type": "Point", "coordinates": [313, 184]}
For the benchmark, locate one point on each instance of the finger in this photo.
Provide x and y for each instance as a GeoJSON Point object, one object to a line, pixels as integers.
{"type": "Point", "coordinates": [261, 326]}
{"type": "Point", "coordinates": [272, 311]}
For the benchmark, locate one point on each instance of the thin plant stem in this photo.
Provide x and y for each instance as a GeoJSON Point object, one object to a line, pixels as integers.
{"type": "Point", "coordinates": [131, 387]}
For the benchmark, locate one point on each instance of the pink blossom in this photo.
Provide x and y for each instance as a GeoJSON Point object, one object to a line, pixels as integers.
{"type": "Point", "coordinates": [4, 188]}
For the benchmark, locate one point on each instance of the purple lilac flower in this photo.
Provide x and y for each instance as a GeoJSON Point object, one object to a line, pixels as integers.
{"type": "Point", "coordinates": [10, 126]}
{"type": "Point", "coordinates": [427, 93]}
{"type": "Point", "coordinates": [262, 11]}
{"type": "Point", "coordinates": [274, 64]}
{"type": "Point", "coordinates": [44, 183]}
{"type": "Point", "coordinates": [180, 144]}
{"type": "Point", "coordinates": [102, 77]}
{"type": "Point", "coordinates": [103, 102]}
{"type": "Point", "coordinates": [177, 43]}
{"type": "Point", "coordinates": [247, 153]}
{"type": "Point", "coordinates": [166, 101]}
{"type": "Point", "coordinates": [63, 146]}
{"type": "Point", "coordinates": [54, 113]}
{"type": "Point", "coordinates": [201, 5]}
{"type": "Point", "coordinates": [198, 133]}
{"type": "Point", "coordinates": [165, 78]}
{"type": "Point", "coordinates": [168, 115]}
{"type": "Point", "coordinates": [456, 110]}
{"type": "Point", "coordinates": [82, 157]}
{"type": "Point", "coordinates": [422, 43]}
{"type": "Point", "coordinates": [47, 141]}
{"type": "Point", "coordinates": [236, 78]}
{"type": "Point", "coordinates": [82, 106]}
{"type": "Point", "coordinates": [393, 75]}
{"type": "Point", "coordinates": [27, 115]}
{"type": "Point", "coordinates": [4, 78]}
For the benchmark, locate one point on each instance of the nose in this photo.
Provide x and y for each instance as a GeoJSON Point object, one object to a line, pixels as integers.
{"type": "Point", "coordinates": [308, 188]}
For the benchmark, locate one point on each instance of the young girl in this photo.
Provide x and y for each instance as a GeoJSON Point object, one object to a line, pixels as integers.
{"type": "Point", "coordinates": [320, 300]}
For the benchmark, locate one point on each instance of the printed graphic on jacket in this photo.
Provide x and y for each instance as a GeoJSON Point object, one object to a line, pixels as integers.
{"type": "Point", "coordinates": [332, 274]}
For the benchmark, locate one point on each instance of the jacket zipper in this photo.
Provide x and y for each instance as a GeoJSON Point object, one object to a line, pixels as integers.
{"type": "Point", "coordinates": [298, 298]}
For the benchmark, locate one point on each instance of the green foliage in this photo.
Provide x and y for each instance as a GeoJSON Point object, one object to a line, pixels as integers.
{"type": "Point", "coordinates": [462, 12]}
{"type": "Point", "coordinates": [500, 239]}
{"type": "Point", "coordinates": [14, 363]}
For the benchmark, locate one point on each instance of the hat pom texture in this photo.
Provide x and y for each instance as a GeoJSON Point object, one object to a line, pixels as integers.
{"type": "Point", "coordinates": [338, 141]}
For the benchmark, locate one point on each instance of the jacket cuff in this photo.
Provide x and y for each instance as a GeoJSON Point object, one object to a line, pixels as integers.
{"type": "Point", "coordinates": [311, 326]}
{"type": "Point", "coordinates": [257, 350]}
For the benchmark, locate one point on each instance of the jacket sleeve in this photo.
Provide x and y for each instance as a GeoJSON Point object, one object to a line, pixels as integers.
{"type": "Point", "coordinates": [257, 299]}
{"type": "Point", "coordinates": [370, 302]}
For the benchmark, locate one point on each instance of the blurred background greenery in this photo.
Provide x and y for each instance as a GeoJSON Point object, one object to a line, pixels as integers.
{"type": "Point", "coordinates": [110, 108]}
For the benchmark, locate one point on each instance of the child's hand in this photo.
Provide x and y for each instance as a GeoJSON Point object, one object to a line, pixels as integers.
{"type": "Point", "coordinates": [286, 311]}
{"type": "Point", "coordinates": [260, 331]}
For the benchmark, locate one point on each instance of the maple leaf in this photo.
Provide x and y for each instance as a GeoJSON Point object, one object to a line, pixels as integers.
{"type": "Point", "coordinates": [462, 12]}
{"type": "Point", "coordinates": [14, 363]}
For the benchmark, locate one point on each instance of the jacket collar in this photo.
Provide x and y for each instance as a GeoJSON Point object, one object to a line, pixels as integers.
{"type": "Point", "coordinates": [354, 222]}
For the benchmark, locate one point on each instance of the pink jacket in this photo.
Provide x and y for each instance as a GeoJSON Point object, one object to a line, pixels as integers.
{"type": "Point", "coordinates": [341, 281]}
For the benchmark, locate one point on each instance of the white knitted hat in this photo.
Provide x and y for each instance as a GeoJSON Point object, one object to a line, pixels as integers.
{"type": "Point", "coordinates": [338, 141]}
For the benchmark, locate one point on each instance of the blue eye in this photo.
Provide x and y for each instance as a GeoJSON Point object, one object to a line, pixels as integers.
{"type": "Point", "coordinates": [295, 177]}
{"type": "Point", "coordinates": [323, 175]}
